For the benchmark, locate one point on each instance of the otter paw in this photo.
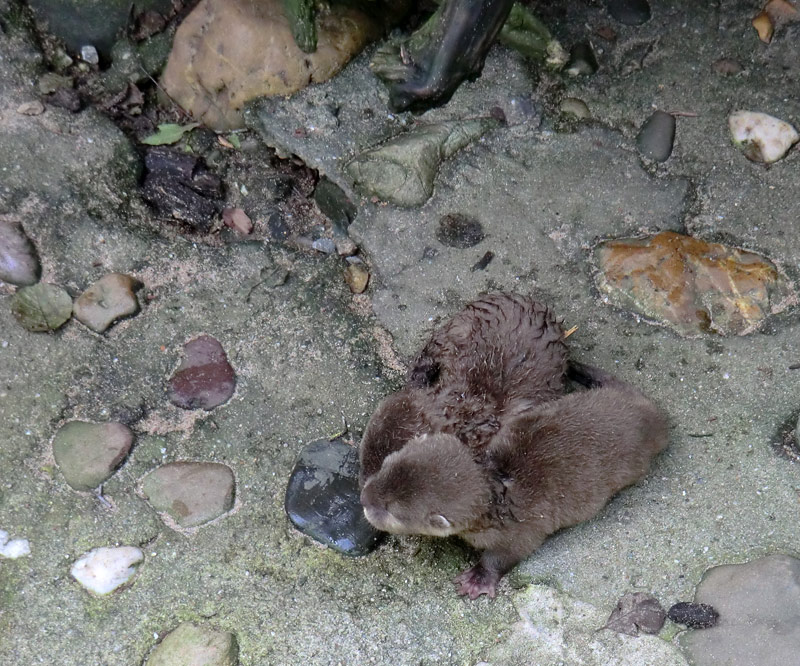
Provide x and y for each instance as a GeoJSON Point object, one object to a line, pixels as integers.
{"type": "Point", "coordinates": [476, 581]}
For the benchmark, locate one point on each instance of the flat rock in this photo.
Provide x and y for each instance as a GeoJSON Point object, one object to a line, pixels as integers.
{"type": "Point", "coordinates": [103, 570]}
{"type": "Point", "coordinates": [191, 493]}
{"type": "Point", "coordinates": [656, 137]}
{"type": "Point", "coordinates": [89, 453]}
{"type": "Point", "coordinates": [195, 645]}
{"type": "Point", "coordinates": [322, 498]}
{"type": "Point", "coordinates": [759, 614]}
{"type": "Point", "coordinates": [690, 285]}
{"type": "Point", "coordinates": [556, 629]}
{"type": "Point", "coordinates": [41, 307]}
{"type": "Point", "coordinates": [111, 298]}
{"type": "Point", "coordinates": [227, 52]}
{"type": "Point", "coordinates": [204, 379]}
{"type": "Point", "coordinates": [19, 263]}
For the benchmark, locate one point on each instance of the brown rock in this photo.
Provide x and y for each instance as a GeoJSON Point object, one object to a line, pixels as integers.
{"type": "Point", "coordinates": [204, 379]}
{"type": "Point", "coordinates": [227, 52]}
{"type": "Point", "coordinates": [691, 285]}
{"type": "Point", "coordinates": [110, 298]}
{"type": "Point", "coordinates": [357, 277]}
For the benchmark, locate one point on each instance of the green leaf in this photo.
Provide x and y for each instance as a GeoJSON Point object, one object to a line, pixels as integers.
{"type": "Point", "coordinates": [168, 133]}
{"type": "Point", "coordinates": [235, 141]}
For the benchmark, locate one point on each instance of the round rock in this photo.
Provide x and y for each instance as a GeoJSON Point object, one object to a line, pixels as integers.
{"type": "Point", "coordinates": [88, 453]}
{"type": "Point", "coordinates": [656, 137]}
{"type": "Point", "coordinates": [322, 498]}
{"type": "Point", "coordinates": [204, 379]}
{"type": "Point", "coordinates": [110, 298]}
{"type": "Point", "coordinates": [191, 493]}
{"type": "Point", "coordinates": [629, 12]}
{"type": "Point", "coordinates": [19, 263]}
{"type": "Point", "coordinates": [759, 614]}
{"type": "Point", "coordinates": [41, 307]}
{"type": "Point", "coordinates": [195, 645]}
{"type": "Point", "coordinates": [103, 570]}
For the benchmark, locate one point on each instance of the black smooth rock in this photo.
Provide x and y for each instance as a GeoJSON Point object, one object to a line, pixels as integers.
{"type": "Point", "coordinates": [629, 12]}
{"type": "Point", "coordinates": [656, 137]}
{"type": "Point", "coordinates": [322, 498]}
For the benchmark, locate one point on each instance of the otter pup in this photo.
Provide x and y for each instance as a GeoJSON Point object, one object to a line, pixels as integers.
{"type": "Point", "coordinates": [497, 358]}
{"type": "Point", "coordinates": [552, 467]}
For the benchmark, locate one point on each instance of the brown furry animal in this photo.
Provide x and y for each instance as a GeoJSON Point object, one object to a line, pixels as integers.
{"type": "Point", "coordinates": [497, 358]}
{"type": "Point", "coordinates": [552, 467]}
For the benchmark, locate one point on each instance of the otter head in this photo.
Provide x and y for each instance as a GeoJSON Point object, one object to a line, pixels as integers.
{"type": "Point", "coordinates": [431, 486]}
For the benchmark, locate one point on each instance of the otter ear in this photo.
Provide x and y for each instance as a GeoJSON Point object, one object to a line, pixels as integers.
{"type": "Point", "coordinates": [439, 522]}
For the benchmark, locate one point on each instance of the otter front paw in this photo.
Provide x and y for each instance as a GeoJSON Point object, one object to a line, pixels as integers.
{"type": "Point", "coordinates": [476, 581]}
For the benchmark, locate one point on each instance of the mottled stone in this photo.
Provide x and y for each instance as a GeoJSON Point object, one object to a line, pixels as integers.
{"type": "Point", "coordinates": [204, 379]}
{"type": "Point", "coordinates": [690, 285]}
{"type": "Point", "coordinates": [89, 453]}
{"type": "Point", "coordinates": [402, 170]}
{"type": "Point", "coordinates": [191, 493]}
{"type": "Point", "coordinates": [41, 307]}
{"type": "Point", "coordinates": [761, 137]}
{"type": "Point", "coordinates": [19, 263]}
{"type": "Point", "coordinates": [459, 231]}
{"type": "Point", "coordinates": [112, 297]}
{"type": "Point", "coordinates": [227, 52]}
{"type": "Point", "coordinates": [656, 137]}
{"type": "Point", "coordinates": [195, 645]}
{"type": "Point", "coordinates": [759, 614]}
{"type": "Point", "coordinates": [357, 277]}
{"type": "Point", "coordinates": [694, 616]}
{"type": "Point", "coordinates": [103, 570]}
{"type": "Point", "coordinates": [322, 498]}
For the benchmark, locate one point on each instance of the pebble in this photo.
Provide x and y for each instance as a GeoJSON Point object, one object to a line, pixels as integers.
{"type": "Point", "coordinates": [41, 307]}
{"type": "Point", "coordinates": [103, 570]}
{"type": "Point", "coordinates": [322, 498]}
{"type": "Point", "coordinates": [49, 82]}
{"type": "Point", "coordinates": [694, 616]}
{"type": "Point", "coordinates": [459, 231]}
{"type": "Point", "coordinates": [762, 138]}
{"type": "Point", "coordinates": [191, 493]}
{"type": "Point", "coordinates": [112, 297]}
{"type": "Point", "coordinates": [691, 285]}
{"type": "Point", "coordinates": [13, 548]}
{"type": "Point", "coordinates": [19, 263]}
{"type": "Point", "coordinates": [656, 137]}
{"type": "Point", "coordinates": [572, 106]}
{"type": "Point", "coordinates": [89, 453]}
{"type": "Point", "coordinates": [89, 55]}
{"type": "Point", "coordinates": [357, 277]}
{"type": "Point", "coordinates": [759, 614]}
{"type": "Point", "coordinates": [629, 12]}
{"type": "Point", "coordinates": [204, 379]}
{"type": "Point", "coordinates": [324, 245]}
{"type": "Point", "coordinates": [238, 220]}
{"type": "Point", "coordinates": [195, 645]}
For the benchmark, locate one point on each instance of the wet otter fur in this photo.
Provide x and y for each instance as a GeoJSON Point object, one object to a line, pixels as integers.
{"type": "Point", "coordinates": [497, 358]}
{"type": "Point", "coordinates": [552, 467]}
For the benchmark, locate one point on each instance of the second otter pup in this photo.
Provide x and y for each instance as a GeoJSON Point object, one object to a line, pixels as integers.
{"type": "Point", "coordinates": [553, 467]}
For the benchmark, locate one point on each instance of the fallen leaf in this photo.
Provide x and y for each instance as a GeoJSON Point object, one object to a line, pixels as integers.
{"type": "Point", "coordinates": [763, 25]}
{"type": "Point", "coordinates": [168, 133]}
{"type": "Point", "coordinates": [635, 612]}
{"type": "Point", "coordinates": [31, 109]}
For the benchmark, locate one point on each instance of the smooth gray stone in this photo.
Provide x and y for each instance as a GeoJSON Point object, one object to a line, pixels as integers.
{"type": "Point", "coordinates": [657, 136]}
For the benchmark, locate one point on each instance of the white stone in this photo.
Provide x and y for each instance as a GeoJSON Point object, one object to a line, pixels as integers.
{"type": "Point", "coordinates": [103, 570]}
{"type": "Point", "coordinates": [762, 137]}
{"type": "Point", "coordinates": [14, 548]}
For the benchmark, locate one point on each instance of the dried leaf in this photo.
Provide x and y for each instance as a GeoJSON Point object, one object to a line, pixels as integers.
{"type": "Point", "coordinates": [168, 133]}
{"type": "Point", "coordinates": [635, 612]}
{"type": "Point", "coordinates": [763, 25]}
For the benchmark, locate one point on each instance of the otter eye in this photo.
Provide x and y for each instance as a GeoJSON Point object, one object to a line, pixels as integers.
{"type": "Point", "coordinates": [438, 521]}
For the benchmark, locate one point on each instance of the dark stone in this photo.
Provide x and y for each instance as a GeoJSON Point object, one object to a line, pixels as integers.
{"type": "Point", "coordinates": [322, 498]}
{"type": "Point", "coordinates": [65, 98]}
{"type": "Point", "coordinates": [656, 137]}
{"type": "Point", "coordinates": [629, 12]}
{"type": "Point", "coordinates": [179, 186]}
{"type": "Point", "coordinates": [204, 379]}
{"type": "Point", "coordinates": [458, 230]}
{"type": "Point", "coordinates": [334, 203]}
{"type": "Point", "coordinates": [278, 228]}
{"type": "Point", "coordinates": [694, 616]}
{"type": "Point", "coordinates": [483, 262]}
